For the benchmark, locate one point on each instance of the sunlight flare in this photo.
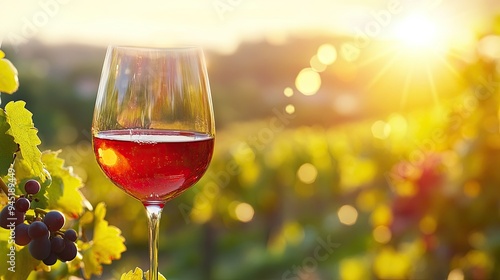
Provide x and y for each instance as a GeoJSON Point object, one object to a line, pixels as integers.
{"type": "Point", "coordinates": [417, 31]}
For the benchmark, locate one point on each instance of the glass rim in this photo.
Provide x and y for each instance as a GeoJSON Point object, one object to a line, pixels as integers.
{"type": "Point", "coordinates": [155, 48]}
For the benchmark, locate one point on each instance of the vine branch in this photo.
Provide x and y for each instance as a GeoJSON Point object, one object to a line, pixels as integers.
{"type": "Point", "coordinates": [4, 187]}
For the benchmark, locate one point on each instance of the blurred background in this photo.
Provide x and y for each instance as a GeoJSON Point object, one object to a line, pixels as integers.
{"type": "Point", "coordinates": [355, 139]}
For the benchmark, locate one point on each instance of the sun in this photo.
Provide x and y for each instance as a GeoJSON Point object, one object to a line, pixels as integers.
{"type": "Point", "coordinates": [415, 64]}
{"type": "Point", "coordinates": [419, 31]}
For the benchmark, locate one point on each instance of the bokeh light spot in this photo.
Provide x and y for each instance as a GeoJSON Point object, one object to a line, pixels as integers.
{"type": "Point", "coordinates": [398, 124]}
{"type": "Point", "coordinates": [290, 109]}
{"type": "Point", "coordinates": [308, 81]}
{"type": "Point", "coordinates": [307, 173]}
{"type": "Point", "coordinates": [244, 212]}
{"type": "Point", "coordinates": [382, 234]}
{"type": "Point", "coordinates": [327, 54]}
{"type": "Point", "coordinates": [456, 274]}
{"type": "Point", "coordinates": [348, 215]}
{"type": "Point", "coordinates": [381, 130]}
{"type": "Point", "coordinates": [382, 215]}
{"type": "Point", "coordinates": [316, 64]}
{"type": "Point", "coordinates": [288, 92]}
{"type": "Point", "coordinates": [489, 47]}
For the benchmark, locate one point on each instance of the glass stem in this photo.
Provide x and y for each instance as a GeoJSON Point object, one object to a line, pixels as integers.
{"type": "Point", "coordinates": [154, 215]}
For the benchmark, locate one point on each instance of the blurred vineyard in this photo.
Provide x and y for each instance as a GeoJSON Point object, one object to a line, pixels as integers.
{"type": "Point", "coordinates": [413, 194]}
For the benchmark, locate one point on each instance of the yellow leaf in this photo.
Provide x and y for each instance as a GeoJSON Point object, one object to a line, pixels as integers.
{"type": "Point", "coordinates": [25, 135]}
{"type": "Point", "coordinates": [63, 193]}
{"type": "Point", "coordinates": [107, 245]}
{"type": "Point", "coordinates": [9, 82]}
{"type": "Point", "coordinates": [137, 274]}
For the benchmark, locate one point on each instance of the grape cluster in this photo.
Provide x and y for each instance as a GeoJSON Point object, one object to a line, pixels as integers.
{"type": "Point", "coordinates": [42, 233]}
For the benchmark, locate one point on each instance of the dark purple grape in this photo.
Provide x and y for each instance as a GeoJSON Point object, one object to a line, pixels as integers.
{"type": "Point", "coordinates": [10, 218]}
{"type": "Point", "coordinates": [70, 235]}
{"type": "Point", "coordinates": [54, 220]}
{"type": "Point", "coordinates": [57, 244]}
{"type": "Point", "coordinates": [51, 259]}
{"type": "Point", "coordinates": [22, 237]}
{"type": "Point", "coordinates": [38, 229]}
{"type": "Point", "coordinates": [4, 214]}
{"type": "Point", "coordinates": [22, 204]}
{"type": "Point", "coordinates": [69, 252]}
{"type": "Point", "coordinates": [39, 248]}
{"type": "Point", "coordinates": [32, 187]}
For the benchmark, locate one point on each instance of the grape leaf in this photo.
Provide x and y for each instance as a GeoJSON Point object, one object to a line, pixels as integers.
{"type": "Point", "coordinates": [9, 147]}
{"type": "Point", "coordinates": [9, 81]}
{"type": "Point", "coordinates": [137, 274]}
{"type": "Point", "coordinates": [133, 275]}
{"type": "Point", "coordinates": [25, 135]}
{"type": "Point", "coordinates": [106, 246]}
{"type": "Point", "coordinates": [63, 194]}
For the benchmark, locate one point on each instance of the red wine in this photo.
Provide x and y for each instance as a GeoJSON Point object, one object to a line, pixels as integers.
{"type": "Point", "coordinates": [153, 165]}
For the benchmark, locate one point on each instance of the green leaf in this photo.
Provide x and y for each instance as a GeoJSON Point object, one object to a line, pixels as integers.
{"type": "Point", "coordinates": [107, 245]}
{"type": "Point", "coordinates": [25, 135]}
{"type": "Point", "coordinates": [9, 147]}
{"type": "Point", "coordinates": [137, 274]}
{"type": "Point", "coordinates": [63, 194]}
{"type": "Point", "coordinates": [9, 82]}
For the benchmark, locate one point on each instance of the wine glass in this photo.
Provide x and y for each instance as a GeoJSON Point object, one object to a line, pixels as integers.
{"type": "Point", "coordinates": [153, 127]}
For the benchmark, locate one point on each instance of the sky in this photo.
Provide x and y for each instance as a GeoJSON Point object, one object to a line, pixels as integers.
{"type": "Point", "coordinates": [218, 24]}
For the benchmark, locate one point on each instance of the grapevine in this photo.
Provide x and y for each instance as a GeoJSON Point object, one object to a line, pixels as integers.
{"type": "Point", "coordinates": [42, 232]}
{"type": "Point", "coordinates": [45, 219]}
